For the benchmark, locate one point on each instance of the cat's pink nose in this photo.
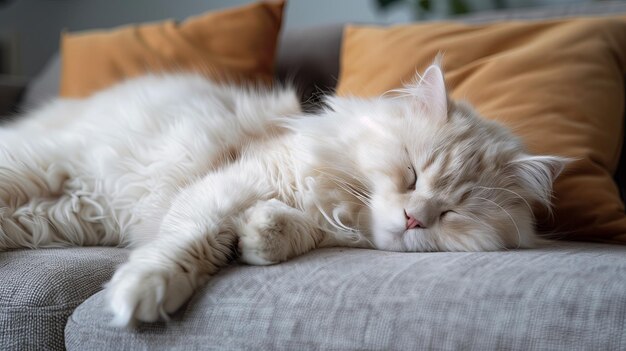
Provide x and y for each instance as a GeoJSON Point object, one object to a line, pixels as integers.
{"type": "Point", "coordinates": [411, 222]}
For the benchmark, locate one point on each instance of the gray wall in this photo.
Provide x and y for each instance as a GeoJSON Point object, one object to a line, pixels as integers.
{"type": "Point", "coordinates": [37, 23]}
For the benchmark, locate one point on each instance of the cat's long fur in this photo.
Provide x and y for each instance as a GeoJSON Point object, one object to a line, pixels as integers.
{"type": "Point", "coordinates": [192, 174]}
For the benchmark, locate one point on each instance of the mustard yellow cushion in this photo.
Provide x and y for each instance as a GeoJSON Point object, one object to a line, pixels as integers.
{"type": "Point", "coordinates": [235, 45]}
{"type": "Point", "coordinates": [558, 84]}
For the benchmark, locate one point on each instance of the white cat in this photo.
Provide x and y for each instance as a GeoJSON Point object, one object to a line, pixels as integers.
{"type": "Point", "coordinates": [192, 174]}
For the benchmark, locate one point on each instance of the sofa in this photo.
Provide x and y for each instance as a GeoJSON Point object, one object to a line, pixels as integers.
{"type": "Point", "coordinates": [565, 295]}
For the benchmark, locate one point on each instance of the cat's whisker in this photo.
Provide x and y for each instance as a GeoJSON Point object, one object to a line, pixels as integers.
{"type": "Point", "coordinates": [334, 221]}
{"type": "Point", "coordinates": [475, 220]}
{"type": "Point", "coordinates": [512, 192]}
{"type": "Point", "coordinates": [358, 192]}
{"type": "Point", "coordinates": [519, 235]}
{"type": "Point", "coordinates": [365, 200]}
{"type": "Point", "coordinates": [339, 222]}
{"type": "Point", "coordinates": [363, 197]}
{"type": "Point", "coordinates": [360, 180]}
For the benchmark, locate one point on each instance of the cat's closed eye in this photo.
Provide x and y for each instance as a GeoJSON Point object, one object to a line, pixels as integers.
{"type": "Point", "coordinates": [412, 178]}
{"type": "Point", "coordinates": [445, 213]}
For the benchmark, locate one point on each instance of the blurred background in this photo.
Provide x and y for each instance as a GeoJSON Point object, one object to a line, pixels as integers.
{"type": "Point", "coordinates": [29, 29]}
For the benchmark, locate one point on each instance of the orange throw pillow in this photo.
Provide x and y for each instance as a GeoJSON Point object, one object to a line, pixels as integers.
{"type": "Point", "coordinates": [558, 84]}
{"type": "Point", "coordinates": [236, 45]}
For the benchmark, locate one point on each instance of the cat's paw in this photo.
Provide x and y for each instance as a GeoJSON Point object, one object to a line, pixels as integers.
{"type": "Point", "coordinates": [262, 236]}
{"type": "Point", "coordinates": [143, 294]}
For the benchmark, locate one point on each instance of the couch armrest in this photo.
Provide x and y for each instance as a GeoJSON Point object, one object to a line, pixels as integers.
{"type": "Point", "coordinates": [11, 89]}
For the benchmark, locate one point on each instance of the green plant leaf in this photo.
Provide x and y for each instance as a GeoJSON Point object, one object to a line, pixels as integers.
{"type": "Point", "coordinates": [383, 4]}
{"type": "Point", "coordinates": [459, 7]}
{"type": "Point", "coordinates": [424, 5]}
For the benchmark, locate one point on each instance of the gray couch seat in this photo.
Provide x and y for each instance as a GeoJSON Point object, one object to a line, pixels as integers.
{"type": "Point", "coordinates": [39, 290]}
{"type": "Point", "coordinates": [564, 296]}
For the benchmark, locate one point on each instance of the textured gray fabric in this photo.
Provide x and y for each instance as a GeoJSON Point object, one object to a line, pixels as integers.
{"type": "Point", "coordinates": [568, 296]}
{"type": "Point", "coordinates": [39, 289]}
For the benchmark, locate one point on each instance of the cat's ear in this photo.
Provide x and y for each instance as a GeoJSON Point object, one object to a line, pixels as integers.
{"type": "Point", "coordinates": [430, 93]}
{"type": "Point", "coordinates": [537, 174]}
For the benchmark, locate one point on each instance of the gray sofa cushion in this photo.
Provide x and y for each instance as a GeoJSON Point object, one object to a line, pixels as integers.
{"type": "Point", "coordinates": [566, 296]}
{"type": "Point", "coordinates": [40, 289]}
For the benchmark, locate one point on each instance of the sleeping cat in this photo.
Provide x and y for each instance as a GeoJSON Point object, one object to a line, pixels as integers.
{"type": "Point", "coordinates": [192, 174]}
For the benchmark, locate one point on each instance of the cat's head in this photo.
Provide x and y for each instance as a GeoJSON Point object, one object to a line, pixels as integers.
{"type": "Point", "coordinates": [439, 176]}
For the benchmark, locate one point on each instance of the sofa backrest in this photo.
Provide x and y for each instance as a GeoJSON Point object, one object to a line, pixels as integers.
{"type": "Point", "coordinates": [307, 58]}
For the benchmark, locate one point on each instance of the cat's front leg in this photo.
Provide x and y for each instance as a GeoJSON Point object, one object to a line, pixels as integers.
{"type": "Point", "coordinates": [160, 277]}
{"type": "Point", "coordinates": [271, 232]}
{"type": "Point", "coordinates": [195, 239]}
{"type": "Point", "coordinates": [149, 288]}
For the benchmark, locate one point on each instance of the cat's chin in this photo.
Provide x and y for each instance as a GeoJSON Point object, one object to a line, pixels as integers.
{"type": "Point", "coordinates": [413, 240]}
{"type": "Point", "coordinates": [387, 239]}
{"type": "Point", "coordinates": [396, 246]}
{"type": "Point", "coordinates": [427, 240]}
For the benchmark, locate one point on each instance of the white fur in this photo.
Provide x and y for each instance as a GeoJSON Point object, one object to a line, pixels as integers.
{"type": "Point", "coordinates": [192, 173]}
